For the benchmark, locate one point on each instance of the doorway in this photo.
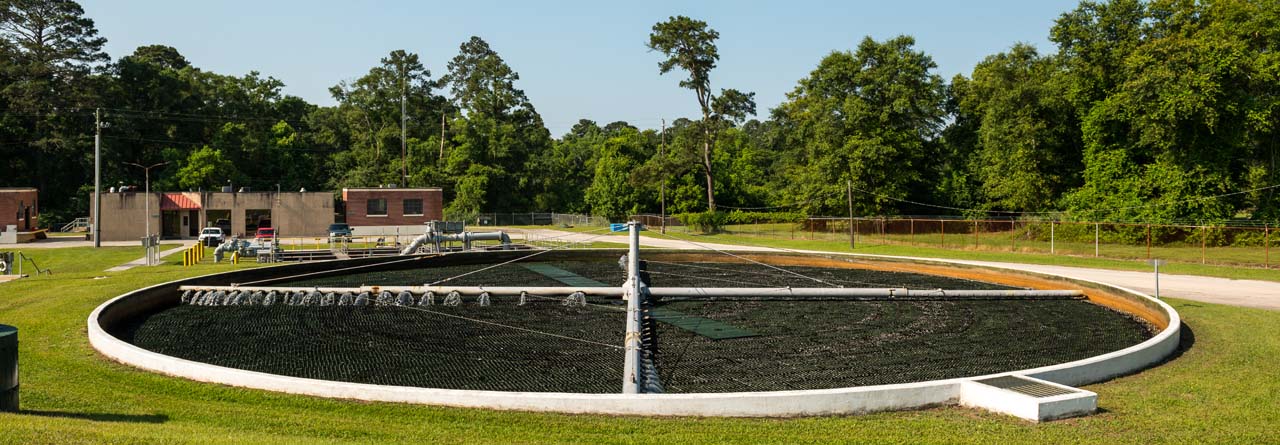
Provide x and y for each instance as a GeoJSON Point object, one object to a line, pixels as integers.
{"type": "Point", "coordinates": [171, 224]}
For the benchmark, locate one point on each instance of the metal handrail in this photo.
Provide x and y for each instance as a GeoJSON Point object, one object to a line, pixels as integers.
{"type": "Point", "coordinates": [82, 221]}
{"type": "Point", "coordinates": [39, 271]}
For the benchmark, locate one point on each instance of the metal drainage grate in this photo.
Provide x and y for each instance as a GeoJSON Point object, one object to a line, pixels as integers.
{"type": "Point", "coordinates": [1025, 386]}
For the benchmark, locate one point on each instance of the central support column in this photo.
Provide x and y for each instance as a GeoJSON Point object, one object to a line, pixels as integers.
{"type": "Point", "coordinates": [632, 292]}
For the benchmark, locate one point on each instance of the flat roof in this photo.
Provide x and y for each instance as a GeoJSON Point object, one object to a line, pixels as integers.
{"type": "Point", "coordinates": [374, 189]}
{"type": "Point", "coordinates": [140, 192]}
{"type": "Point", "coordinates": [19, 189]}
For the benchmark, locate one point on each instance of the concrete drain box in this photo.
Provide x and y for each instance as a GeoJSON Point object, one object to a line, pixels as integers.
{"type": "Point", "coordinates": [1029, 398]}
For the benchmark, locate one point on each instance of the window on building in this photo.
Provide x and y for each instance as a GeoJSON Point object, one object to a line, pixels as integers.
{"type": "Point", "coordinates": [377, 207]}
{"type": "Point", "coordinates": [413, 207]}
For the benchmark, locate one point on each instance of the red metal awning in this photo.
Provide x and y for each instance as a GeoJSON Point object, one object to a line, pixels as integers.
{"type": "Point", "coordinates": [177, 201]}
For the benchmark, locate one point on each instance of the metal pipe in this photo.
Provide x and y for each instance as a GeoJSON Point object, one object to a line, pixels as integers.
{"type": "Point", "coordinates": [633, 293]}
{"type": "Point", "coordinates": [618, 292]}
{"type": "Point", "coordinates": [465, 237]}
{"type": "Point", "coordinates": [413, 245]}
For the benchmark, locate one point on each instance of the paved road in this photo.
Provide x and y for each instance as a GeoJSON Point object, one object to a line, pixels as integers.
{"type": "Point", "coordinates": [1246, 293]}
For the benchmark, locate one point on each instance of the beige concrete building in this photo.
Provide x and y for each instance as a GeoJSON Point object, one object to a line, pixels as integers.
{"type": "Point", "coordinates": [181, 215]}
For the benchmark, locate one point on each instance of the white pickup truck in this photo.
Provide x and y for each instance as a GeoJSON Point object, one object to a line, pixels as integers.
{"type": "Point", "coordinates": [214, 233]}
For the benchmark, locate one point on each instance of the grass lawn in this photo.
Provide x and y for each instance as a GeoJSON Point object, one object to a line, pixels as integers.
{"type": "Point", "coordinates": [1122, 258]}
{"type": "Point", "coordinates": [1222, 389]}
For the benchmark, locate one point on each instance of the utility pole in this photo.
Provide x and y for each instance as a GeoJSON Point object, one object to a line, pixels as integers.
{"type": "Point", "coordinates": [97, 178]}
{"type": "Point", "coordinates": [442, 111]}
{"type": "Point", "coordinates": [662, 189]}
{"type": "Point", "coordinates": [404, 134]}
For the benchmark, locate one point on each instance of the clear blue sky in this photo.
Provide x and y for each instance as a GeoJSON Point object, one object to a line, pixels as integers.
{"type": "Point", "coordinates": [576, 59]}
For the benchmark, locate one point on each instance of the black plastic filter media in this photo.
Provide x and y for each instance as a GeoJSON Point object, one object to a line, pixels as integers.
{"type": "Point", "coordinates": [544, 345]}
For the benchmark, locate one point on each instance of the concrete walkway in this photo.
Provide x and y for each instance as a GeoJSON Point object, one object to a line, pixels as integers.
{"type": "Point", "coordinates": [143, 261]}
{"type": "Point", "coordinates": [58, 242]}
{"type": "Point", "coordinates": [1245, 293]}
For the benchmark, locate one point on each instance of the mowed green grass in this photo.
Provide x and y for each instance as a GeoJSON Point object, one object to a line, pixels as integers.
{"type": "Point", "coordinates": [1068, 254]}
{"type": "Point", "coordinates": [1222, 389]}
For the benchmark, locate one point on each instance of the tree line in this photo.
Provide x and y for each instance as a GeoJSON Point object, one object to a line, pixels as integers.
{"type": "Point", "coordinates": [1155, 111]}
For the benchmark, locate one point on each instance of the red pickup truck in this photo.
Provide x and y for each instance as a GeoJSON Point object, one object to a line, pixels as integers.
{"type": "Point", "coordinates": [265, 234]}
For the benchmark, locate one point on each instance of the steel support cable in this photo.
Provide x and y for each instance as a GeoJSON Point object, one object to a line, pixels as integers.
{"type": "Point", "coordinates": [570, 234]}
{"type": "Point", "coordinates": [784, 249]}
{"type": "Point", "coordinates": [303, 275]}
{"type": "Point", "coordinates": [761, 273]}
{"type": "Point", "coordinates": [751, 260]}
{"type": "Point", "coordinates": [610, 308]}
{"type": "Point", "coordinates": [504, 263]}
{"type": "Point", "coordinates": [702, 315]}
{"type": "Point", "coordinates": [762, 285]}
{"type": "Point", "coordinates": [531, 331]}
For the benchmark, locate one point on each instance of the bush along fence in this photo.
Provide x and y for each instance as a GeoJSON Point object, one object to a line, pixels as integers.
{"type": "Point", "coordinates": [1220, 244]}
{"type": "Point", "coordinates": [532, 219]}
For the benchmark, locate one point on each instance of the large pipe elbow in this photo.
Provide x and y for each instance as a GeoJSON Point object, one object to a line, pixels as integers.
{"type": "Point", "coordinates": [415, 244]}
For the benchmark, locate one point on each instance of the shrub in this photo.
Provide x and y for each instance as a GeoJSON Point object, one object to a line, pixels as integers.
{"type": "Point", "coordinates": [705, 222]}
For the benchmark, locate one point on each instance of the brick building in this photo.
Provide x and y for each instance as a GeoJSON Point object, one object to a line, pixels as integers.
{"type": "Point", "coordinates": [19, 206]}
{"type": "Point", "coordinates": [392, 206]}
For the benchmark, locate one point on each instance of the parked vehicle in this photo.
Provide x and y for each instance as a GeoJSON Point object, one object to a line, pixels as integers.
{"type": "Point", "coordinates": [339, 232]}
{"type": "Point", "coordinates": [265, 234]}
{"type": "Point", "coordinates": [225, 225]}
{"type": "Point", "coordinates": [211, 236]}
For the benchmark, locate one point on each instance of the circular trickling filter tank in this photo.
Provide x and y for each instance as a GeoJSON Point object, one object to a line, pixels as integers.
{"type": "Point", "coordinates": [371, 325]}
{"type": "Point", "coordinates": [8, 368]}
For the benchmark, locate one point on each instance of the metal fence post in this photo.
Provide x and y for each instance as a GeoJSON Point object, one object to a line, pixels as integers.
{"type": "Point", "coordinates": [1266, 241]}
{"type": "Point", "coordinates": [943, 224]}
{"type": "Point", "coordinates": [1013, 235]}
{"type": "Point", "coordinates": [1097, 228]}
{"type": "Point", "coordinates": [1204, 239]}
{"type": "Point", "coordinates": [975, 234]}
{"type": "Point", "coordinates": [1148, 241]}
{"type": "Point", "coordinates": [1052, 240]}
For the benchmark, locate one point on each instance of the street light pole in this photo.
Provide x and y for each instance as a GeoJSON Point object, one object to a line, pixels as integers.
{"type": "Point", "coordinates": [146, 169]}
{"type": "Point", "coordinates": [97, 178]}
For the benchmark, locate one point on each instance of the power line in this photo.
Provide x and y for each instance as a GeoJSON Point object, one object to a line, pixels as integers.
{"type": "Point", "coordinates": [962, 209]}
{"type": "Point", "coordinates": [198, 144]}
{"type": "Point", "coordinates": [169, 115]}
{"type": "Point", "coordinates": [531, 331]}
{"type": "Point", "coordinates": [768, 207]}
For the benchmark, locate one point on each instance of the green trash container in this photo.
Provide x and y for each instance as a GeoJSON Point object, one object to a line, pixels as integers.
{"type": "Point", "coordinates": [8, 368]}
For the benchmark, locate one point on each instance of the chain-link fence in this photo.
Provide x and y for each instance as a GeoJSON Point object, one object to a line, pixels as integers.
{"type": "Point", "coordinates": [536, 219]}
{"type": "Point", "coordinates": [1187, 243]}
